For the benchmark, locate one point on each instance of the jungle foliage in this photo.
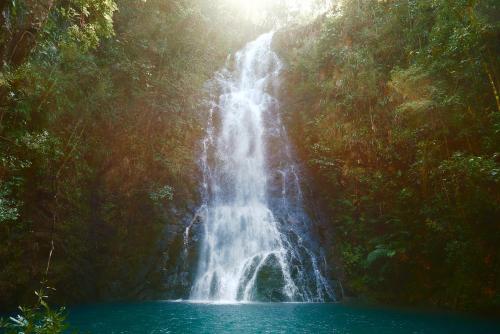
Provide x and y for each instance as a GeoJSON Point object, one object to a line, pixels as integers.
{"type": "Point", "coordinates": [99, 124]}
{"type": "Point", "coordinates": [395, 107]}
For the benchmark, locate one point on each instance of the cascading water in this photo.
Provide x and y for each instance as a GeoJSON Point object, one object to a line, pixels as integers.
{"type": "Point", "coordinates": [254, 243]}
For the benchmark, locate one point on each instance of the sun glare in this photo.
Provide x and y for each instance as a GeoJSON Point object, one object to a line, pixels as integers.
{"type": "Point", "coordinates": [256, 9]}
{"type": "Point", "coordinates": [252, 6]}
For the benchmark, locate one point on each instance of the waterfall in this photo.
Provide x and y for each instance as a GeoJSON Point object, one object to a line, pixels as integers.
{"type": "Point", "coordinates": [255, 242]}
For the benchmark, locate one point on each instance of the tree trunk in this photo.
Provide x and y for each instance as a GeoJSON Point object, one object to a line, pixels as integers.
{"type": "Point", "coordinates": [19, 32]}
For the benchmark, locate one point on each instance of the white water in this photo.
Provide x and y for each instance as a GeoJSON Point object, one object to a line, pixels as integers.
{"type": "Point", "coordinates": [247, 254]}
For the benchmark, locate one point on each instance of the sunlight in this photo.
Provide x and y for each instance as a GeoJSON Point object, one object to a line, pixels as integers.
{"type": "Point", "coordinates": [250, 7]}
{"type": "Point", "coordinates": [257, 9]}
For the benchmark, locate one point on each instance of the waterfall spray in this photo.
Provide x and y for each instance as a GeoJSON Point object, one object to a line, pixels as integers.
{"type": "Point", "coordinates": [253, 246]}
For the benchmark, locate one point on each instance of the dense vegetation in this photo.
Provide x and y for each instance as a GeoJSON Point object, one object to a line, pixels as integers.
{"type": "Point", "coordinates": [395, 107]}
{"type": "Point", "coordinates": [99, 124]}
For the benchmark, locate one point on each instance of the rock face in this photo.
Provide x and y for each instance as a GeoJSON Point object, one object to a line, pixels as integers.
{"type": "Point", "coordinates": [178, 264]}
{"type": "Point", "coordinates": [169, 273]}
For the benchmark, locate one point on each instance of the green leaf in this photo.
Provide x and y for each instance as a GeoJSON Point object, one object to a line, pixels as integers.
{"type": "Point", "coordinates": [378, 253]}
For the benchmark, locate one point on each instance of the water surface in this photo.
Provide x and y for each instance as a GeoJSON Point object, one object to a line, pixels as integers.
{"type": "Point", "coordinates": [176, 317]}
